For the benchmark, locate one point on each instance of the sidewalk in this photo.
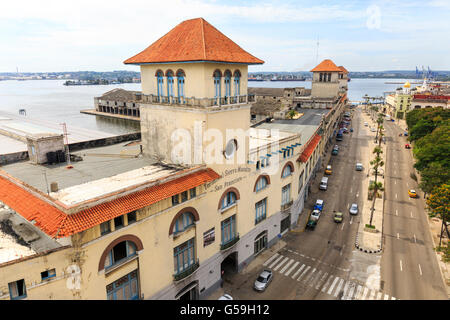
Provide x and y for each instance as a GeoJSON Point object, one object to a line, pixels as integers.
{"type": "Point", "coordinates": [369, 240]}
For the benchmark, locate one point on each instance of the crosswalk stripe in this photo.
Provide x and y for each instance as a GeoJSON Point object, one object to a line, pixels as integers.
{"type": "Point", "coordinates": [276, 261]}
{"type": "Point", "coordinates": [309, 276]}
{"type": "Point", "coordinates": [327, 283]}
{"type": "Point", "coordinates": [333, 284]}
{"type": "Point", "coordinates": [287, 266]}
{"type": "Point", "coordinates": [338, 289]}
{"type": "Point", "coordinates": [321, 280]}
{"type": "Point", "coordinates": [296, 272]}
{"type": "Point", "coordinates": [303, 273]}
{"type": "Point", "coordinates": [344, 296]}
{"type": "Point", "coordinates": [270, 259]}
{"type": "Point", "coordinates": [386, 296]}
{"type": "Point", "coordinates": [358, 292]}
{"type": "Point", "coordinates": [292, 268]}
{"type": "Point", "coordinates": [280, 264]}
{"type": "Point", "coordinates": [372, 295]}
{"type": "Point", "coordinates": [317, 276]}
{"type": "Point", "coordinates": [366, 290]}
{"type": "Point", "coordinates": [352, 290]}
{"type": "Point", "coordinates": [379, 294]}
{"type": "Point", "coordinates": [393, 298]}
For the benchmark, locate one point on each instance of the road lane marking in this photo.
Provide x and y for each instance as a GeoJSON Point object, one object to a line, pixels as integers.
{"type": "Point", "coordinates": [366, 290]}
{"type": "Point", "coordinates": [345, 289]}
{"type": "Point", "coordinates": [398, 236]}
{"type": "Point", "coordinates": [393, 298]}
{"type": "Point", "coordinates": [415, 240]}
{"type": "Point", "coordinates": [348, 205]}
{"type": "Point", "coordinates": [359, 291]}
{"type": "Point", "coordinates": [338, 289]}
{"type": "Point", "coordinates": [352, 290]}
{"type": "Point", "coordinates": [296, 272]}
{"type": "Point", "coordinates": [343, 226]}
{"type": "Point", "coordinates": [281, 263]}
{"type": "Point", "coordinates": [310, 276]}
{"type": "Point", "coordinates": [357, 195]}
{"type": "Point", "coordinates": [386, 296]}
{"type": "Point", "coordinates": [276, 261]}
{"type": "Point", "coordinates": [321, 280]}
{"type": "Point", "coordinates": [411, 214]}
{"type": "Point", "coordinates": [379, 296]}
{"type": "Point", "coordinates": [311, 283]}
{"type": "Point", "coordinates": [372, 295]}
{"type": "Point", "coordinates": [292, 268]}
{"type": "Point", "coordinates": [303, 273]}
{"type": "Point", "coordinates": [396, 196]}
{"type": "Point", "coordinates": [401, 266]}
{"type": "Point", "coordinates": [396, 212]}
{"type": "Point", "coordinates": [287, 266]}
{"type": "Point", "coordinates": [332, 285]}
{"type": "Point", "coordinates": [351, 220]}
{"type": "Point", "coordinates": [270, 259]}
{"type": "Point", "coordinates": [351, 190]}
{"type": "Point", "coordinates": [395, 182]}
{"type": "Point", "coordinates": [327, 283]}
{"type": "Point", "coordinates": [420, 269]}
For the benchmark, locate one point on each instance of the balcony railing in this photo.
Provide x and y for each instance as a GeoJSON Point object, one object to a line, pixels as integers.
{"type": "Point", "coordinates": [286, 205]}
{"type": "Point", "coordinates": [197, 102]}
{"type": "Point", "coordinates": [230, 243]}
{"type": "Point", "coordinates": [187, 272]}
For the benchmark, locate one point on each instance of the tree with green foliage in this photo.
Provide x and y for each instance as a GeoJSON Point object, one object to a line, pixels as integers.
{"type": "Point", "coordinates": [291, 114]}
{"type": "Point", "coordinates": [434, 147]}
{"type": "Point", "coordinates": [439, 204]}
{"type": "Point", "coordinates": [423, 121]}
{"type": "Point", "coordinates": [433, 176]}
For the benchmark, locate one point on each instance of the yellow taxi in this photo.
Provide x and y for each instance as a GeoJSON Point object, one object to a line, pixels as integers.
{"type": "Point", "coordinates": [412, 193]}
{"type": "Point", "coordinates": [328, 170]}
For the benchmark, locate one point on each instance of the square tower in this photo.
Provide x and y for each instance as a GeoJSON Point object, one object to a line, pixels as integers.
{"type": "Point", "coordinates": [325, 83]}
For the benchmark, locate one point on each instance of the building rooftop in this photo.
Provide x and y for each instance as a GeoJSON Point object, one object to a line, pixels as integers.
{"type": "Point", "coordinates": [119, 94]}
{"type": "Point", "coordinates": [326, 66]}
{"type": "Point", "coordinates": [194, 40]}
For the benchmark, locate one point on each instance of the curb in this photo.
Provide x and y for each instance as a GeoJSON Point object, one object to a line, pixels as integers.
{"type": "Point", "coordinates": [367, 250]}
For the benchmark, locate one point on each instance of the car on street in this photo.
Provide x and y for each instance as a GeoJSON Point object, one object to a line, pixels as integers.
{"type": "Point", "coordinates": [263, 280]}
{"type": "Point", "coordinates": [338, 217]}
{"type": "Point", "coordinates": [318, 205]}
{"type": "Point", "coordinates": [335, 150]}
{"type": "Point", "coordinates": [372, 129]}
{"type": "Point", "coordinates": [311, 224]}
{"type": "Point", "coordinates": [405, 133]}
{"type": "Point", "coordinates": [351, 129]}
{"type": "Point", "coordinates": [328, 170]}
{"type": "Point", "coordinates": [315, 215]}
{"type": "Point", "coordinates": [359, 167]}
{"type": "Point", "coordinates": [225, 296]}
{"type": "Point", "coordinates": [412, 193]}
{"type": "Point", "coordinates": [365, 124]}
{"type": "Point", "coordinates": [407, 146]}
{"type": "Point", "coordinates": [353, 208]}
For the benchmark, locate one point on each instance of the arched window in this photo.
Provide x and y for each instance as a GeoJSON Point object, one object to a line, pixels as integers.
{"type": "Point", "coordinates": [180, 80]}
{"type": "Point", "coordinates": [261, 183]}
{"type": "Point", "coordinates": [217, 78]}
{"type": "Point", "coordinates": [228, 200]}
{"type": "Point", "coordinates": [183, 222]}
{"type": "Point", "coordinates": [119, 253]}
{"type": "Point", "coordinates": [227, 81]}
{"type": "Point", "coordinates": [287, 170]}
{"type": "Point", "coordinates": [169, 75]}
{"type": "Point", "coordinates": [237, 83]}
{"type": "Point", "coordinates": [160, 82]}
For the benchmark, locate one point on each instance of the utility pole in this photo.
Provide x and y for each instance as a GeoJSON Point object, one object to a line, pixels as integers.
{"type": "Point", "coordinates": [66, 144]}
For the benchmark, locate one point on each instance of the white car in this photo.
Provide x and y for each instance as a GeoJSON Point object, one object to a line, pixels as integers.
{"type": "Point", "coordinates": [354, 208]}
{"type": "Point", "coordinates": [372, 129]}
{"type": "Point", "coordinates": [263, 280]}
{"type": "Point", "coordinates": [315, 214]}
{"type": "Point", "coordinates": [225, 296]}
{"type": "Point", "coordinates": [365, 124]}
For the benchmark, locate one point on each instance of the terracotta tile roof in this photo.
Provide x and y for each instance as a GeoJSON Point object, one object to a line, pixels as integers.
{"type": "Point", "coordinates": [58, 224]}
{"type": "Point", "coordinates": [343, 69]}
{"type": "Point", "coordinates": [326, 65]}
{"type": "Point", "coordinates": [309, 148]}
{"type": "Point", "coordinates": [194, 40]}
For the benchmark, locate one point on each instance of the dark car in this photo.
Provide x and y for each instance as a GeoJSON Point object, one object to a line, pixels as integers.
{"type": "Point", "coordinates": [311, 224]}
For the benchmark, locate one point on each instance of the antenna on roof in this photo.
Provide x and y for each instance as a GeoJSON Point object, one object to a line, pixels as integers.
{"type": "Point", "coordinates": [317, 51]}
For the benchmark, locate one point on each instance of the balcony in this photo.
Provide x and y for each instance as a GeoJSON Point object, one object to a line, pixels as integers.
{"type": "Point", "coordinates": [230, 243]}
{"type": "Point", "coordinates": [286, 205]}
{"type": "Point", "coordinates": [186, 273]}
{"type": "Point", "coordinates": [197, 102]}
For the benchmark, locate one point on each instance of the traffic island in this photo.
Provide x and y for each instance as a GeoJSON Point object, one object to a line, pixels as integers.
{"type": "Point", "coordinates": [369, 236]}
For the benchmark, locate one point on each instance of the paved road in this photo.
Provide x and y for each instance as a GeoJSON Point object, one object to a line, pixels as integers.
{"type": "Point", "coordinates": [323, 263]}
{"type": "Point", "coordinates": [409, 269]}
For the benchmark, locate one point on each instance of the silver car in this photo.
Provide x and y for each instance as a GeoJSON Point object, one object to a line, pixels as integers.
{"type": "Point", "coordinates": [354, 208]}
{"type": "Point", "coordinates": [263, 280]}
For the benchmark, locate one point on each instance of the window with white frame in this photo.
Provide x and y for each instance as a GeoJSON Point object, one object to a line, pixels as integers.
{"type": "Point", "coordinates": [287, 171]}
{"type": "Point", "coordinates": [286, 194]}
{"type": "Point", "coordinates": [228, 200]}
{"type": "Point", "coordinates": [260, 210]}
{"type": "Point", "coordinates": [183, 222]}
{"type": "Point", "coordinates": [228, 227]}
{"type": "Point", "coordinates": [261, 184]}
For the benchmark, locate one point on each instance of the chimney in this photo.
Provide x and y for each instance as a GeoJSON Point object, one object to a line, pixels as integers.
{"type": "Point", "coordinates": [54, 187]}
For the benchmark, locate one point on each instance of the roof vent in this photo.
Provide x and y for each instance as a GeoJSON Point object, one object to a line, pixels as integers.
{"type": "Point", "coordinates": [54, 187]}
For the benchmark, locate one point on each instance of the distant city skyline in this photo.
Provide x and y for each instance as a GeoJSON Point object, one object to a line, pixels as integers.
{"type": "Point", "coordinates": [55, 36]}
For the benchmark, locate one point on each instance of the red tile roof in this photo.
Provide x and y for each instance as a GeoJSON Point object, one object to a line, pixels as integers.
{"type": "Point", "coordinates": [343, 69]}
{"type": "Point", "coordinates": [312, 143]}
{"type": "Point", "coordinates": [58, 224]}
{"type": "Point", "coordinates": [326, 65]}
{"type": "Point", "coordinates": [194, 40]}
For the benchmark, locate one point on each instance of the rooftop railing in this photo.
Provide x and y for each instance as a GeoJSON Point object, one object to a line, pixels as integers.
{"type": "Point", "coordinates": [197, 102]}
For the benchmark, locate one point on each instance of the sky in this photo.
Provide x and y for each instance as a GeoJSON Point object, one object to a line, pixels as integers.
{"type": "Point", "coordinates": [98, 35]}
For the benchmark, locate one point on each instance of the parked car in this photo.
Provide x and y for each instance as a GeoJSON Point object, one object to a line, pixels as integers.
{"type": "Point", "coordinates": [372, 129]}
{"type": "Point", "coordinates": [359, 167]}
{"type": "Point", "coordinates": [338, 217]}
{"type": "Point", "coordinates": [354, 208]}
{"type": "Point", "coordinates": [323, 183]}
{"type": "Point", "coordinates": [351, 129]}
{"type": "Point", "coordinates": [263, 280]}
{"type": "Point", "coordinates": [311, 224]}
{"type": "Point", "coordinates": [365, 124]}
{"type": "Point", "coordinates": [412, 193]}
{"type": "Point", "coordinates": [225, 296]}
{"type": "Point", "coordinates": [328, 170]}
{"type": "Point", "coordinates": [407, 146]}
{"type": "Point", "coordinates": [318, 205]}
{"type": "Point", "coordinates": [315, 215]}
{"type": "Point", "coordinates": [405, 133]}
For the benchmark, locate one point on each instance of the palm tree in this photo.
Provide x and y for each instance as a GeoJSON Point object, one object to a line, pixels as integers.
{"type": "Point", "coordinates": [376, 186]}
{"type": "Point", "coordinates": [291, 114]}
